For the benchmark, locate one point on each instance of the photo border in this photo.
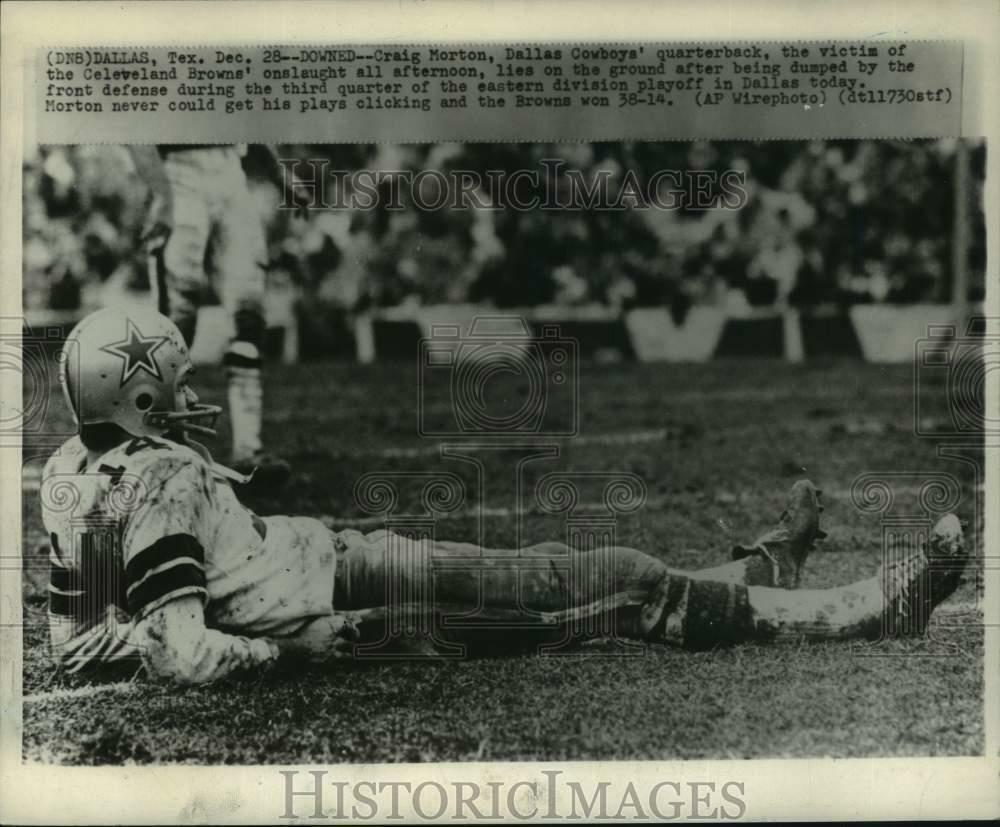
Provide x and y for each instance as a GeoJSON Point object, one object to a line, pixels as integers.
{"type": "Point", "coordinates": [775, 789]}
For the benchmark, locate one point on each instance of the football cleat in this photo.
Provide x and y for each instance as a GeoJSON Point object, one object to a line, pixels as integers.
{"type": "Point", "coordinates": [918, 582]}
{"type": "Point", "coordinates": [788, 544]}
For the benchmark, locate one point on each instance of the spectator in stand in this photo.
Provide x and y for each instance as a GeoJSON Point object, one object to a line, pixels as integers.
{"type": "Point", "coordinates": [824, 221]}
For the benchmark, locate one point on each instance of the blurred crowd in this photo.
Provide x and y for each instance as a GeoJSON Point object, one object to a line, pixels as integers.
{"type": "Point", "coordinates": [822, 221]}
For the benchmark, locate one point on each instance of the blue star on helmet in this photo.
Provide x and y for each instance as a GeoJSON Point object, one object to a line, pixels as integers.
{"type": "Point", "coordinates": [136, 352]}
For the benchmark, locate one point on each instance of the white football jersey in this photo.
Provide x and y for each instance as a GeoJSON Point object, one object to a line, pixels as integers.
{"type": "Point", "coordinates": [151, 521]}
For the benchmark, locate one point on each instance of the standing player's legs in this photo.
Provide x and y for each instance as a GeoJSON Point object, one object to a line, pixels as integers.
{"type": "Point", "coordinates": [177, 269]}
{"type": "Point", "coordinates": [239, 256]}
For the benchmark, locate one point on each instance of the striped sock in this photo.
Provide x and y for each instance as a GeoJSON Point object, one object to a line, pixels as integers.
{"type": "Point", "coordinates": [698, 614]}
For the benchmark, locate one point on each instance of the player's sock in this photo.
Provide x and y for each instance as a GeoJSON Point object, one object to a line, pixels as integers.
{"type": "Point", "coordinates": [788, 544]}
{"type": "Point", "coordinates": [242, 361]}
{"type": "Point", "coordinates": [697, 614]}
{"type": "Point", "coordinates": [243, 367]}
{"type": "Point", "coordinates": [899, 600]}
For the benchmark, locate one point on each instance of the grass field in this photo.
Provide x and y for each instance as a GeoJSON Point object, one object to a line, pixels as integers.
{"type": "Point", "coordinates": [717, 445]}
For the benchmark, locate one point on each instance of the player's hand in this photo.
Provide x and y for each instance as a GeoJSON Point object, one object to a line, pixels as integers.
{"type": "Point", "coordinates": [322, 640]}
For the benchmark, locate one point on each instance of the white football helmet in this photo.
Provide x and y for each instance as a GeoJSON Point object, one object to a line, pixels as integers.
{"type": "Point", "coordinates": [128, 367]}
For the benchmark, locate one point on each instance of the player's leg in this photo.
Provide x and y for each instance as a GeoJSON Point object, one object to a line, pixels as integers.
{"type": "Point", "coordinates": [381, 571]}
{"type": "Point", "coordinates": [448, 593]}
{"type": "Point", "coordinates": [647, 601]}
{"type": "Point", "coordinates": [898, 600]}
{"type": "Point", "coordinates": [525, 594]}
{"type": "Point", "coordinates": [775, 559]}
{"type": "Point", "coordinates": [545, 588]}
{"type": "Point", "coordinates": [177, 268]}
{"type": "Point", "coordinates": [240, 257]}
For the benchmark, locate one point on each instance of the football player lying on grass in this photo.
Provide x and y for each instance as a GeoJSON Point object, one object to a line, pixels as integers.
{"type": "Point", "coordinates": [153, 555]}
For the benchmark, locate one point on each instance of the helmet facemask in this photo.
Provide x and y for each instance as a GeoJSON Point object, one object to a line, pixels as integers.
{"type": "Point", "coordinates": [188, 413]}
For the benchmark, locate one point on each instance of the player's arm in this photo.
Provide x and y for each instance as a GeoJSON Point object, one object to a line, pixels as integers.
{"type": "Point", "coordinates": [149, 164]}
{"type": "Point", "coordinates": [166, 591]}
{"type": "Point", "coordinates": [293, 191]}
{"type": "Point", "coordinates": [165, 584]}
{"type": "Point", "coordinates": [176, 645]}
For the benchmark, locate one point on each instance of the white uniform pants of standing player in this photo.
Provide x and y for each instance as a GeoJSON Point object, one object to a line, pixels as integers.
{"type": "Point", "coordinates": [217, 245]}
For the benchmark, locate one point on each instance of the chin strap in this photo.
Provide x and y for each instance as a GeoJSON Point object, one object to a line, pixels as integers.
{"type": "Point", "coordinates": [218, 469]}
{"type": "Point", "coordinates": [228, 473]}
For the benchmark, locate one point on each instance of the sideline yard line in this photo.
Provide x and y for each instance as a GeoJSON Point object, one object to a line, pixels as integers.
{"type": "Point", "coordinates": [89, 691]}
{"type": "Point", "coordinates": [464, 514]}
{"type": "Point", "coordinates": [622, 438]}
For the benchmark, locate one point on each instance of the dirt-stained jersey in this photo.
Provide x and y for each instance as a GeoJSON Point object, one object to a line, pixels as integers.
{"type": "Point", "coordinates": [149, 522]}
